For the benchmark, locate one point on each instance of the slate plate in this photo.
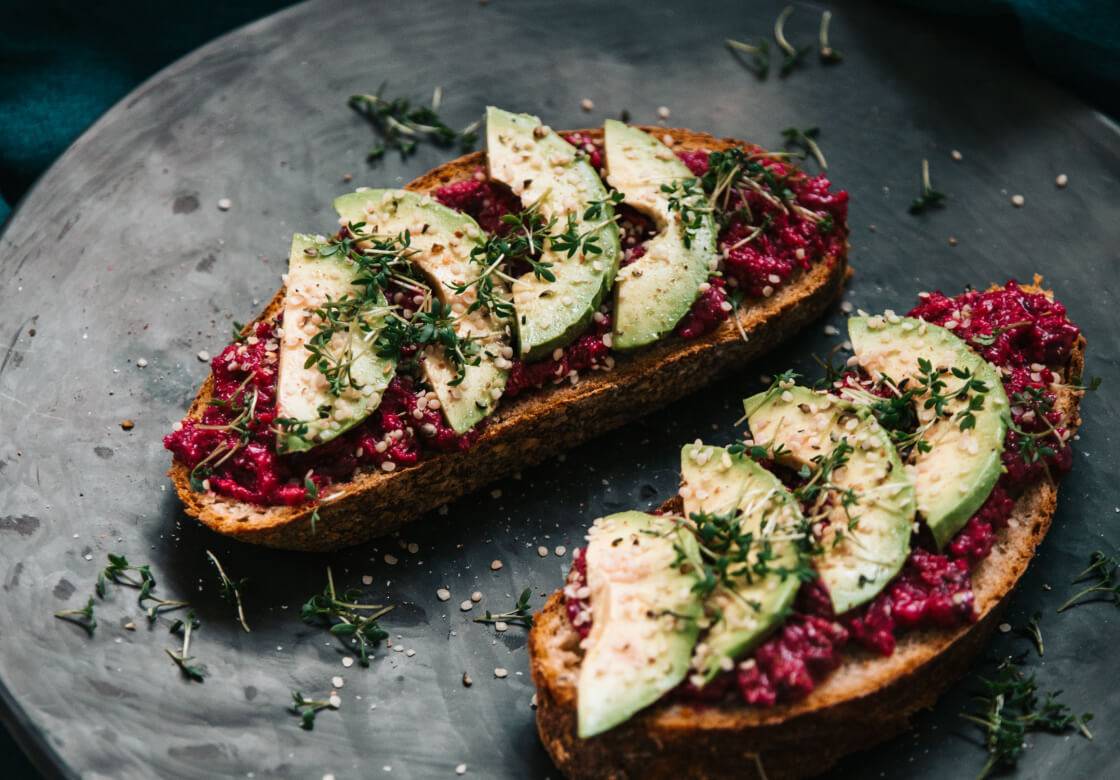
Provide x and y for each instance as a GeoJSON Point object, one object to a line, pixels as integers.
{"type": "Point", "coordinates": [120, 253]}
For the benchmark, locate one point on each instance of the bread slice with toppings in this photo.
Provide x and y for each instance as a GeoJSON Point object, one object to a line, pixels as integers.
{"type": "Point", "coordinates": [867, 700]}
{"type": "Point", "coordinates": [529, 428]}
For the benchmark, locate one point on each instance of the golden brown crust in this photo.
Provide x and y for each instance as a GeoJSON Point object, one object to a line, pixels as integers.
{"type": "Point", "coordinates": [527, 429]}
{"type": "Point", "coordinates": [866, 701]}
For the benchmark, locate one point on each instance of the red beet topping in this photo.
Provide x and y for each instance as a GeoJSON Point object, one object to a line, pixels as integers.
{"type": "Point", "coordinates": [576, 597]}
{"type": "Point", "coordinates": [484, 200]}
{"type": "Point", "coordinates": [788, 665]}
{"type": "Point", "coordinates": [589, 146]}
{"type": "Point", "coordinates": [589, 351]}
{"type": "Point", "coordinates": [398, 432]}
{"type": "Point", "coordinates": [932, 589]}
{"type": "Point", "coordinates": [707, 312]}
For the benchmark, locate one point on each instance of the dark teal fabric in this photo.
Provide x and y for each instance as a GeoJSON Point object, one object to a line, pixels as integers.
{"type": "Point", "coordinates": [63, 63]}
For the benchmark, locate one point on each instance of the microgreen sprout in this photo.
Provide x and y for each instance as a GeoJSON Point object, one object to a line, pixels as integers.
{"type": "Point", "coordinates": [806, 139]}
{"type": "Point", "coordinates": [229, 590]}
{"type": "Point", "coordinates": [354, 624]}
{"type": "Point", "coordinates": [520, 615]}
{"type": "Point", "coordinates": [80, 617]}
{"type": "Point", "coordinates": [928, 197]}
{"type": "Point", "coordinates": [401, 125]}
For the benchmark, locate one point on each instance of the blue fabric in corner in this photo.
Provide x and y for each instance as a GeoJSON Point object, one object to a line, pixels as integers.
{"type": "Point", "coordinates": [63, 64]}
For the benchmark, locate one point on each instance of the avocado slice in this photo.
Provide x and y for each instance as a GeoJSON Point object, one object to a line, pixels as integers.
{"type": "Point", "coordinates": [643, 617]}
{"type": "Point", "coordinates": [866, 543]}
{"type": "Point", "coordinates": [716, 481]}
{"type": "Point", "coordinates": [652, 294]}
{"type": "Point", "coordinates": [954, 478]}
{"type": "Point", "coordinates": [546, 171]}
{"type": "Point", "coordinates": [441, 240]}
{"type": "Point", "coordinates": [303, 393]}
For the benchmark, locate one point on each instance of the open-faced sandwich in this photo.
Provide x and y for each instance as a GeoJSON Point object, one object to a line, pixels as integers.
{"type": "Point", "coordinates": [499, 308]}
{"type": "Point", "coordinates": [816, 583]}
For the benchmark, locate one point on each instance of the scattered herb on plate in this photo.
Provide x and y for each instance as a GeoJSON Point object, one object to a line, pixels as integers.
{"type": "Point", "coordinates": [759, 55]}
{"type": "Point", "coordinates": [806, 139]}
{"type": "Point", "coordinates": [80, 617]}
{"type": "Point", "coordinates": [354, 624]}
{"type": "Point", "coordinates": [308, 709]}
{"type": "Point", "coordinates": [229, 590]}
{"type": "Point", "coordinates": [1101, 572]}
{"type": "Point", "coordinates": [183, 659]}
{"type": "Point", "coordinates": [1033, 632]}
{"type": "Point", "coordinates": [1010, 707]}
{"type": "Point", "coordinates": [792, 55]}
{"type": "Point", "coordinates": [929, 197]}
{"type": "Point", "coordinates": [520, 615]}
{"type": "Point", "coordinates": [828, 54]}
{"type": "Point", "coordinates": [401, 125]}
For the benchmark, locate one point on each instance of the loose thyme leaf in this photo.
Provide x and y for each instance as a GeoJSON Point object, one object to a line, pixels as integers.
{"type": "Point", "coordinates": [183, 659]}
{"type": "Point", "coordinates": [354, 624]}
{"type": "Point", "coordinates": [929, 197]}
{"type": "Point", "coordinates": [400, 125]}
{"type": "Point", "coordinates": [1033, 632]}
{"type": "Point", "coordinates": [229, 590]}
{"type": "Point", "coordinates": [759, 54]}
{"type": "Point", "coordinates": [307, 709]}
{"type": "Point", "coordinates": [80, 617]}
{"type": "Point", "coordinates": [520, 615]}
{"type": "Point", "coordinates": [1102, 573]}
{"type": "Point", "coordinates": [1010, 707]}
{"type": "Point", "coordinates": [792, 56]}
{"type": "Point", "coordinates": [828, 54]}
{"type": "Point", "coordinates": [806, 139]}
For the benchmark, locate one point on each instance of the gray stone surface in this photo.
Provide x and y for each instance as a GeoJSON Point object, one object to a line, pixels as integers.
{"type": "Point", "coordinates": [122, 253]}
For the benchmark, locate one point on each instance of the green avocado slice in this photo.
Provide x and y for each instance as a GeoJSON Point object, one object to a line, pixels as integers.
{"type": "Point", "coordinates": [547, 172]}
{"type": "Point", "coordinates": [870, 507]}
{"type": "Point", "coordinates": [643, 617]}
{"type": "Point", "coordinates": [717, 482]}
{"type": "Point", "coordinates": [441, 240]}
{"type": "Point", "coordinates": [956, 475]}
{"type": "Point", "coordinates": [652, 294]}
{"type": "Point", "coordinates": [303, 394]}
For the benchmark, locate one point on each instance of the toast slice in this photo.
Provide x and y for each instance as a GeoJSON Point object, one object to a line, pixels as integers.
{"type": "Point", "coordinates": [867, 700]}
{"type": "Point", "coordinates": [529, 428]}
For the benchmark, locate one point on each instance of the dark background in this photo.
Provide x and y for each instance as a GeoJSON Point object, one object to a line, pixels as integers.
{"type": "Point", "coordinates": [62, 64]}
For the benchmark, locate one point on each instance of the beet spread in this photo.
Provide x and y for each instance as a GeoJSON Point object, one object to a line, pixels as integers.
{"type": "Point", "coordinates": [231, 450]}
{"type": "Point", "coordinates": [759, 266]}
{"type": "Point", "coordinates": [404, 425]}
{"type": "Point", "coordinates": [1021, 333]}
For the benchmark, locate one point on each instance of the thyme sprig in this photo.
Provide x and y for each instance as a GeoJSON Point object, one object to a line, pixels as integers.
{"type": "Point", "coordinates": [243, 401]}
{"type": "Point", "coordinates": [1010, 707]}
{"type": "Point", "coordinates": [806, 139]}
{"type": "Point", "coordinates": [828, 54]}
{"type": "Point", "coordinates": [354, 624]}
{"type": "Point", "coordinates": [83, 617]}
{"type": "Point", "coordinates": [686, 198]}
{"type": "Point", "coordinates": [229, 590]}
{"type": "Point", "coordinates": [308, 709]}
{"type": "Point", "coordinates": [759, 54]}
{"type": "Point", "coordinates": [402, 125]}
{"type": "Point", "coordinates": [730, 556]}
{"type": "Point", "coordinates": [937, 395]}
{"type": "Point", "coordinates": [520, 615]}
{"type": "Point", "coordinates": [118, 571]}
{"type": "Point", "coordinates": [1033, 631]}
{"type": "Point", "coordinates": [183, 659]}
{"type": "Point", "coordinates": [792, 56]}
{"type": "Point", "coordinates": [928, 198]}
{"type": "Point", "coordinates": [1102, 573]}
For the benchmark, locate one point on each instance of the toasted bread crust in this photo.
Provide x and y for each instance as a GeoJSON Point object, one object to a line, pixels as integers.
{"type": "Point", "coordinates": [864, 702]}
{"type": "Point", "coordinates": [527, 429]}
